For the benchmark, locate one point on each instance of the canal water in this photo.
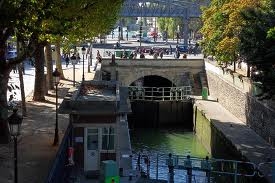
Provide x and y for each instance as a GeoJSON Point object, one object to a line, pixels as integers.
{"type": "Point", "coordinates": [156, 144]}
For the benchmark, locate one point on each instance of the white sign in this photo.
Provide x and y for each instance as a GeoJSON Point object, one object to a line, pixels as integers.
{"type": "Point", "coordinates": [79, 139]}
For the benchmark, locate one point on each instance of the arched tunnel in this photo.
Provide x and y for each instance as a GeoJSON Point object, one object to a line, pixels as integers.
{"type": "Point", "coordinates": [153, 81]}
{"type": "Point", "coordinates": [150, 113]}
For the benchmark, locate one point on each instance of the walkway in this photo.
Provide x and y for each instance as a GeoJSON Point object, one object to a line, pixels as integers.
{"type": "Point", "coordinates": [246, 141]}
{"type": "Point", "coordinates": [35, 150]}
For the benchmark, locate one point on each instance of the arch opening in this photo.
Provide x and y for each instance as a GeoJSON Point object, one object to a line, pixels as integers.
{"type": "Point", "coordinates": [152, 81]}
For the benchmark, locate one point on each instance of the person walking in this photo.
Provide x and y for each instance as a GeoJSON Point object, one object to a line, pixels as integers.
{"type": "Point", "coordinates": [67, 60]}
{"type": "Point", "coordinates": [161, 53]}
{"type": "Point", "coordinates": [98, 59]}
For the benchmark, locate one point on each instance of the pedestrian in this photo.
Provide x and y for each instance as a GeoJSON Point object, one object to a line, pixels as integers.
{"type": "Point", "coordinates": [67, 60]}
{"type": "Point", "coordinates": [98, 55]}
{"type": "Point", "coordinates": [151, 52]}
{"type": "Point", "coordinates": [177, 52]}
{"type": "Point", "coordinates": [171, 50]}
{"type": "Point", "coordinates": [135, 55]}
{"type": "Point", "coordinates": [14, 68]}
{"type": "Point", "coordinates": [131, 56]}
{"type": "Point", "coordinates": [98, 59]}
{"type": "Point", "coordinates": [188, 166]}
{"type": "Point", "coordinates": [155, 55]}
{"type": "Point", "coordinates": [124, 54]}
{"type": "Point", "coordinates": [142, 55]}
{"type": "Point", "coordinates": [78, 57]}
{"type": "Point", "coordinates": [161, 53]}
{"type": "Point", "coordinates": [31, 61]}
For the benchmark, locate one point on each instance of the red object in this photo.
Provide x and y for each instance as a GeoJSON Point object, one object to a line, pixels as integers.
{"type": "Point", "coordinates": [71, 155]}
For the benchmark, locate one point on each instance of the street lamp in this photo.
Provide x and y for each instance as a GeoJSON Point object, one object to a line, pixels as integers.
{"type": "Point", "coordinates": [74, 61]}
{"type": "Point", "coordinates": [83, 49]}
{"type": "Point", "coordinates": [56, 79]}
{"type": "Point", "coordinates": [90, 49]}
{"type": "Point", "coordinates": [140, 28]}
{"type": "Point", "coordinates": [15, 122]}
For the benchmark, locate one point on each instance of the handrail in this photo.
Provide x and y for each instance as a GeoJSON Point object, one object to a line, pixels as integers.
{"type": "Point", "coordinates": [159, 93]}
{"type": "Point", "coordinates": [224, 167]}
{"type": "Point", "coordinates": [261, 168]}
{"type": "Point", "coordinates": [52, 175]}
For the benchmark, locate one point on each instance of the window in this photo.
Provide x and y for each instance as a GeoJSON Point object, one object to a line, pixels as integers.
{"type": "Point", "coordinates": [108, 138]}
{"type": "Point", "coordinates": [92, 139]}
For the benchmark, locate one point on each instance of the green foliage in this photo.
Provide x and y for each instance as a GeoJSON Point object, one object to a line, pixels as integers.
{"type": "Point", "coordinates": [171, 25]}
{"type": "Point", "coordinates": [226, 32]}
{"type": "Point", "coordinates": [241, 28]}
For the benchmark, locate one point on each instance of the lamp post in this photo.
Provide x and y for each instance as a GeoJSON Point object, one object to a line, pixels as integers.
{"type": "Point", "coordinates": [90, 52]}
{"type": "Point", "coordinates": [56, 78]}
{"type": "Point", "coordinates": [74, 61]}
{"type": "Point", "coordinates": [15, 122]}
{"type": "Point", "coordinates": [83, 49]}
{"type": "Point", "coordinates": [140, 28]}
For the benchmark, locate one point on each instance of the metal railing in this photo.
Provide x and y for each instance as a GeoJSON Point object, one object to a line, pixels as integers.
{"type": "Point", "coordinates": [159, 93]}
{"type": "Point", "coordinates": [155, 166]}
{"type": "Point", "coordinates": [58, 169]}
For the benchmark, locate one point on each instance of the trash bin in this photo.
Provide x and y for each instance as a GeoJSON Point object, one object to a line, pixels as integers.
{"type": "Point", "coordinates": [118, 53]}
{"type": "Point", "coordinates": [204, 93]}
{"type": "Point", "coordinates": [109, 171]}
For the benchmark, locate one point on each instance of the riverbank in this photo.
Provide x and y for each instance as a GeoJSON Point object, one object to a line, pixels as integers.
{"type": "Point", "coordinates": [250, 146]}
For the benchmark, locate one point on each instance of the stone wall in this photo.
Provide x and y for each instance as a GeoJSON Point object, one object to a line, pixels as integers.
{"type": "Point", "coordinates": [232, 98]}
{"type": "Point", "coordinates": [129, 71]}
{"type": "Point", "coordinates": [213, 139]}
{"type": "Point", "coordinates": [235, 94]}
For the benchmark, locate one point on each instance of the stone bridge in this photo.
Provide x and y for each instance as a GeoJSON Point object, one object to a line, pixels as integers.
{"type": "Point", "coordinates": [181, 72]}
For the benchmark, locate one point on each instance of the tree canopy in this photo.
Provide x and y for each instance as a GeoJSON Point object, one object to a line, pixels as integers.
{"type": "Point", "coordinates": [35, 22]}
{"type": "Point", "coordinates": [242, 29]}
{"type": "Point", "coordinates": [222, 24]}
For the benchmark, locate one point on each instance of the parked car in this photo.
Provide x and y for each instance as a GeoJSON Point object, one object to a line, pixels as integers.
{"type": "Point", "coordinates": [144, 39]}
{"type": "Point", "coordinates": [11, 54]}
{"type": "Point", "coordinates": [183, 48]}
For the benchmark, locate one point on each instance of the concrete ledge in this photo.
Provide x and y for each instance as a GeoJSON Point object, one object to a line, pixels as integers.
{"type": "Point", "coordinates": [246, 141]}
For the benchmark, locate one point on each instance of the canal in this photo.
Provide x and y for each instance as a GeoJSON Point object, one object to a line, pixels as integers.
{"type": "Point", "coordinates": [156, 144]}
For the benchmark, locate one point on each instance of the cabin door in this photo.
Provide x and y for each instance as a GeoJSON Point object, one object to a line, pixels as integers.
{"type": "Point", "coordinates": [91, 152]}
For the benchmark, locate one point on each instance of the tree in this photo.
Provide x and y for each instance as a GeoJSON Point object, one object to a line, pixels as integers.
{"type": "Point", "coordinates": [222, 23]}
{"type": "Point", "coordinates": [15, 13]}
{"type": "Point", "coordinates": [35, 23]}
{"type": "Point", "coordinates": [257, 42]}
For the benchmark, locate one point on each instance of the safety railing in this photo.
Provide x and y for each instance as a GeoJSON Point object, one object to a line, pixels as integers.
{"type": "Point", "coordinates": [202, 170]}
{"type": "Point", "coordinates": [267, 169]}
{"type": "Point", "coordinates": [58, 170]}
{"type": "Point", "coordinates": [159, 93]}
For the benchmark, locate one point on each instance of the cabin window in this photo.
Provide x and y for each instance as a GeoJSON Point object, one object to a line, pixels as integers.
{"type": "Point", "coordinates": [108, 138]}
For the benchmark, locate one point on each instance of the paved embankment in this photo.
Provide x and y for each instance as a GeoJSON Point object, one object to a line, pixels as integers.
{"type": "Point", "coordinates": [250, 145]}
{"type": "Point", "coordinates": [35, 150]}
